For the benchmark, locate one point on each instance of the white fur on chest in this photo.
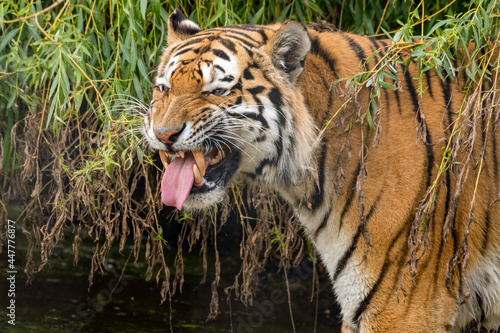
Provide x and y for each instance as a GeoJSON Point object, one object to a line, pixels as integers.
{"type": "Point", "coordinates": [353, 283]}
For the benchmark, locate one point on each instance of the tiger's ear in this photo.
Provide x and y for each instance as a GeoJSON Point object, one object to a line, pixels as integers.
{"type": "Point", "coordinates": [180, 28]}
{"type": "Point", "coordinates": [288, 49]}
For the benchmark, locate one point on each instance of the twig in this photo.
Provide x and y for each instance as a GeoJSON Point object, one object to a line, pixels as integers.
{"type": "Point", "coordinates": [289, 299]}
{"type": "Point", "coordinates": [81, 70]}
{"type": "Point", "coordinates": [36, 14]}
{"type": "Point", "coordinates": [383, 15]}
{"type": "Point", "coordinates": [419, 22]}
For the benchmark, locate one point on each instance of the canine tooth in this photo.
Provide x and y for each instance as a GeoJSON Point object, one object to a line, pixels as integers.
{"type": "Point", "coordinates": [165, 159]}
{"type": "Point", "coordinates": [198, 178]}
{"type": "Point", "coordinates": [181, 154]}
{"type": "Point", "coordinates": [217, 158]}
{"type": "Point", "coordinates": [200, 161]}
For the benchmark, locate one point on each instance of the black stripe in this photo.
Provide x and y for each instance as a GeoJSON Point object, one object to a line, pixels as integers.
{"type": "Point", "coordinates": [350, 191]}
{"type": "Point", "coordinates": [220, 68]}
{"type": "Point", "coordinates": [250, 27]}
{"type": "Point", "coordinates": [486, 231]}
{"type": "Point", "coordinates": [318, 50]}
{"type": "Point", "coordinates": [254, 116]}
{"type": "Point", "coordinates": [356, 48]}
{"type": "Point", "coordinates": [263, 36]}
{"type": "Point", "coordinates": [227, 78]}
{"type": "Point", "coordinates": [366, 301]}
{"type": "Point", "coordinates": [279, 144]}
{"type": "Point", "coordinates": [374, 42]}
{"type": "Point", "coordinates": [327, 85]}
{"type": "Point", "coordinates": [396, 94]}
{"type": "Point", "coordinates": [446, 85]}
{"type": "Point", "coordinates": [239, 32]}
{"type": "Point", "coordinates": [480, 302]}
{"type": "Point", "coordinates": [244, 42]}
{"type": "Point", "coordinates": [181, 52]}
{"type": "Point", "coordinates": [253, 28]}
{"type": "Point", "coordinates": [194, 40]}
{"type": "Point", "coordinates": [256, 90]}
{"type": "Point", "coordinates": [263, 163]}
{"type": "Point", "coordinates": [275, 98]}
{"type": "Point", "coordinates": [346, 256]}
{"type": "Point", "coordinates": [348, 253]}
{"type": "Point", "coordinates": [375, 49]}
{"type": "Point", "coordinates": [387, 102]}
{"type": "Point", "coordinates": [221, 54]}
{"type": "Point", "coordinates": [317, 197]}
{"type": "Point", "coordinates": [453, 230]}
{"type": "Point", "coordinates": [429, 85]}
{"type": "Point", "coordinates": [228, 44]}
{"type": "Point", "coordinates": [321, 226]}
{"type": "Point", "coordinates": [446, 209]}
{"type": "Point", "coordinates": [447, 99]}
{"type": "Point", "coordinates": [247, 74]}
{"type": "Point", "coordinates": [428, 139]}
{"type": "Point", "coordinates": [237, 86]}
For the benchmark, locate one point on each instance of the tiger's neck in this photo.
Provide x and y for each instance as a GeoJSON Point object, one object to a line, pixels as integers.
{"type": "Point", "coordinates": [319, 198]}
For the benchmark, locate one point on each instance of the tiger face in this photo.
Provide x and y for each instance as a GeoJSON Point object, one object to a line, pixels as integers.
{"type": "Point", "coordinates": [219, 109]}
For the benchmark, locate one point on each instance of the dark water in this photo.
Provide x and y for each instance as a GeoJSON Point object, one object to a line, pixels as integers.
{"type": "Point", "coordinates": [59, 299]}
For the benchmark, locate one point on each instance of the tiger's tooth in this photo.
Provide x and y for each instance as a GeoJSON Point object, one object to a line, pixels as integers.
{"type": "Point", "coordinates": [181, 154]}
{"type": "Point", "coordinates": [165, 159]}
{"type": "Point", "coordinates": [217, 158]}
{"type": "Point", "coordinates": [200, 160]}
{"type": "Point", "coordinates": [198, 178]}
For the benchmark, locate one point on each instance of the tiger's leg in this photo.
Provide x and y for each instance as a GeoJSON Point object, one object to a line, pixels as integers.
{"type": "Point", "coordinates": [429, 306]}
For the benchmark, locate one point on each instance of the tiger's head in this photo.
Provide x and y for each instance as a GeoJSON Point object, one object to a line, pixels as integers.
{"type": "Point", "coordinates": [227, 103]}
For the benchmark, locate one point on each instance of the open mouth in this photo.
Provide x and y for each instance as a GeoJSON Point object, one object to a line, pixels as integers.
{"type": "Point", "coordinates": [193, 172]}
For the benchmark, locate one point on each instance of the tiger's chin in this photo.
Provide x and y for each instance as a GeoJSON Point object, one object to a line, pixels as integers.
{"type": "Point", "coordinates": [197, 202]}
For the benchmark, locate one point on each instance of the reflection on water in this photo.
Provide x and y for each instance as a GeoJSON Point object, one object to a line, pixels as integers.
{"type": "Point", "coordinates": [59, 299]}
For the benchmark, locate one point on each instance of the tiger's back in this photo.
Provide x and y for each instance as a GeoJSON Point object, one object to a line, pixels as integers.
{"type": "Point", "coordinates": [250, 102]}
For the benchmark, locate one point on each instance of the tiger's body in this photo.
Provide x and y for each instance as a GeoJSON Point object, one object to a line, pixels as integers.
{"type": "Point", "coordinates": [249, 102]}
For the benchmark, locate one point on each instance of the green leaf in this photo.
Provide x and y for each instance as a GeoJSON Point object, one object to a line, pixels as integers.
{"type": "Point", "coordinates": [144, 6]}
{"type": "Point", "coordinates": [386, 85]}
{"type": "Point", "coordinates": [140, 154]}
{"type": "Point", "coordinates": [8, 38]}
{"type": "Point", "coordinates": [155, 4]}
{"type": "Point", "coordinates": [142, 68]}
{"type": "Point", "coordinates": [138, 88]}
{"type": "Point", "coordinates": [257, 17]}
{"type": "Point", "coordinates": [214, 18]}
{"type": "Point", "coordinates": [125, 53]}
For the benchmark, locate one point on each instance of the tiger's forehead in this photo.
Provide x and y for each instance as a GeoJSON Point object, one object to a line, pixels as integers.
{"type": "Point", "coordinates": [206, 63]}
{"type": "Point", "coordinates": [211, 57]}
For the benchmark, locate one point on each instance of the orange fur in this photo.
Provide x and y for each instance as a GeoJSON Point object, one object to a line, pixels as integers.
{"type": "Point", "coordinates": [399, 170]}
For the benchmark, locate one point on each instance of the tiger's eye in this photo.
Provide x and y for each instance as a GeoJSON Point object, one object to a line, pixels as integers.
{"type": "Point", "coordinates": [219, 92]}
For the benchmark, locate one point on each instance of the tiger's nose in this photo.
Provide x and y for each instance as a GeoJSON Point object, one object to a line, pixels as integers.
{"type": "Point", "coordinates": [166, 135]}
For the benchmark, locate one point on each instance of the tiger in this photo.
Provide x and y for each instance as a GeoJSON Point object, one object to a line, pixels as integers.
{"type": "Point", "coordinates": [250, 102]}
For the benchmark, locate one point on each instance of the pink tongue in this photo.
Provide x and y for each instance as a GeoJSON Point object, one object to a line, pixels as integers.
{"type": "Point", "coordinates": [177, 181]}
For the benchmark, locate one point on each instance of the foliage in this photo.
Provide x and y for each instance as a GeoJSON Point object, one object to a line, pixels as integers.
{"type": "Point", "coordinates": [75, 76]}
